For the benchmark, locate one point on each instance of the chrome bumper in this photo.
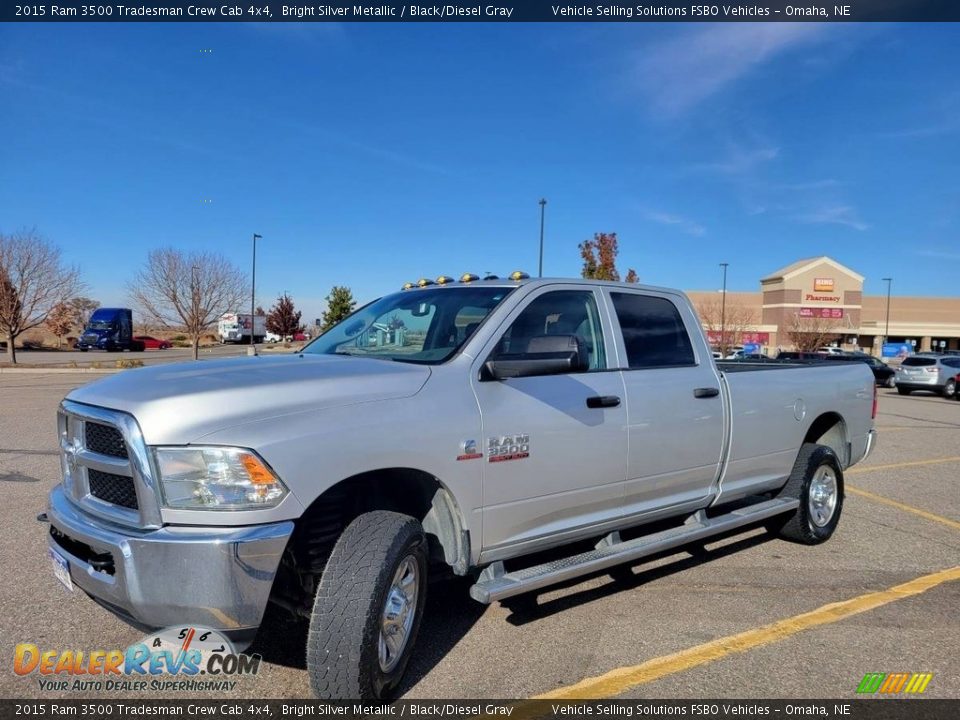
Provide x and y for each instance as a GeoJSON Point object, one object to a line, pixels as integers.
{"type": "Point", "coordinates": [219, 578]}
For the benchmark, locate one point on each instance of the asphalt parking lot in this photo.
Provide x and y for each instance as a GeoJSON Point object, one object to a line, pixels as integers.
{"type": "Point", "coordinates": [745, 620]}
{"type": "Point", "coordinates": [63, 358]}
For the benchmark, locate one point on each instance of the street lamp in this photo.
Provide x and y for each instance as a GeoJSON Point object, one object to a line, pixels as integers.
{"type": "Point", "coordinates": [886, 329]}
{"type": "Point", "coordinates": [253, 289]}
{"type": "Point", "coordinates": [543, 205]}
{"type": "Point", "coordinates": [723, 311]}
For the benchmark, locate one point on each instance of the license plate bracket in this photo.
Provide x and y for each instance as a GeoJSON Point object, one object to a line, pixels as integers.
{"type": "Point", "coordinates": [61, 568]}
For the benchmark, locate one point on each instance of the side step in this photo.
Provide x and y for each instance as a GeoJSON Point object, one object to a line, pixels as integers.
{"type": "Point", "coordinates": [495, 584]}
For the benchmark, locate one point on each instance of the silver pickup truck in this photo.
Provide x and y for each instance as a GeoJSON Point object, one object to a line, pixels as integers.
{"type": "Point", "coordinates": [456, 426]}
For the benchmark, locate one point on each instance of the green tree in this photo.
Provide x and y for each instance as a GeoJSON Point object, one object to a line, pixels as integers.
{"type": "Point", "coordinates": [283, 319]}
{"type": "Point", "coordinates": [600, 258]}
{"type": "Point", "coordinates": [340, 303]}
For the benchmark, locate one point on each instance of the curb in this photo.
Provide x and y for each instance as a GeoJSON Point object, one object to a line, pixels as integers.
{"type": "Point", "coordinates": [56, 370]}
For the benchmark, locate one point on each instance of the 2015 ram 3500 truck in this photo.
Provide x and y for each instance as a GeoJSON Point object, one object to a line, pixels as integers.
{"type": "Point", "coordinates": [462, 424]}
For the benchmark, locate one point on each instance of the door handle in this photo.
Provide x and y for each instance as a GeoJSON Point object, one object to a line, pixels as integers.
{"type": "Point", "coordinates": [707, 392]}
{"type": "Point", "coordinates": [603, 401]}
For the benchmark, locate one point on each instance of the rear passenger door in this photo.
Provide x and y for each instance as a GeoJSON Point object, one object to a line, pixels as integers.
{"type": "Point", "coordinates": [674, 404]}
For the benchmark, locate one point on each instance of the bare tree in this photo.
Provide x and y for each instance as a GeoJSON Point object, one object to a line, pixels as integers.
{"type": "Point", "coordinates": [191, 291]}
{"type": "Point", "coordinates": [727, 323]}
{"type": "Point", "coordinates": [809, 333]}
{"type": "Point", "coordinates": [83, 307]}
{"type": "Point", "coordinates": [33, 281]}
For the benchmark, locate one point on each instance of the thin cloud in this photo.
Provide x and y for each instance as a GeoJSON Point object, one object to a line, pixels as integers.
{"type": "Point", "coordinates": [835, 215]}
{"type": "Point", "coordinates": [680, 73]}
{"type": "Point", "coordinates": [740, 160]}
{"type": "Point", "coordinates": [686, 225]}
{"type": "Point", "coordinates": [940, 254]}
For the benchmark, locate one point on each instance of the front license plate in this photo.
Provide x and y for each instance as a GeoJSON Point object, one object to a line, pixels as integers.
{"type": "Point", "coordinates": [61, 568]}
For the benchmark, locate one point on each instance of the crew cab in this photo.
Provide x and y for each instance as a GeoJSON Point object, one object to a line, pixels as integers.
{"type": "Point", "coordinates": [455, 426]}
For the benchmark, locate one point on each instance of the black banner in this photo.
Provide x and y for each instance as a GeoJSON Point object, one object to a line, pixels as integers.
{"type": "Point", "coordinates": [467, 11]}
{"type": "Point", "coordinates": [888, 709]}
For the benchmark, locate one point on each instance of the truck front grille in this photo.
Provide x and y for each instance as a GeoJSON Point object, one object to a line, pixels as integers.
{"type": "Point", "coordinates": [104, 439]}
{"type": "Point", "coordinates": [114, 489]}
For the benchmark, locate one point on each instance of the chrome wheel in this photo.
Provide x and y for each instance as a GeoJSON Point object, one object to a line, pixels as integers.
{"type": "Point", "coordinates": [399, 612]}
{"type": "Point", "coordinates": [822, 497]}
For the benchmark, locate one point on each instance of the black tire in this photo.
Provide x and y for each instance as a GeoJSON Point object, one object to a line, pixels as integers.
{"type": "Point", "coordinates": [950, 389]}
{"type": "Point", "coordinates": [343, 644]}
{"type": "Point", "coordinates": [805, 526]}
{"type": "Point", "coordinates": [903, 390]}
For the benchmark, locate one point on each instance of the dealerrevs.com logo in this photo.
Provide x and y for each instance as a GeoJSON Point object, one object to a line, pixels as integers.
{"type": "Point", "coordinates": [187, 658]}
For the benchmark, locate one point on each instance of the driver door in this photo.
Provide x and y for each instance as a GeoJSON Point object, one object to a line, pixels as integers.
{"type": "Point", "coordinates": [555, 453]}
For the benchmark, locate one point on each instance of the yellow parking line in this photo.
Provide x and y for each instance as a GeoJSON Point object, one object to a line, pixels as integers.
{"type": "Point", "coordinates": [622, 679]}
{"type": "Point", "coordinates": [912, 463]}
{"type": "Point", "coordinates": [909, 508]}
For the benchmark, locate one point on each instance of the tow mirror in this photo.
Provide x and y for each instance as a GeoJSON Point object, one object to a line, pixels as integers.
{"type": "Point", "coordinates": [545, 355]}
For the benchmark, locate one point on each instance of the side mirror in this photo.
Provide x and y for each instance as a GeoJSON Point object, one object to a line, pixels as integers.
{"type": "Point", "coordinates": [545, 355]}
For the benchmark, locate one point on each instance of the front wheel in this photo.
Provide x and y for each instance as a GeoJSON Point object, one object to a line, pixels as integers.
{"type": "Point", "coordinates": [891, 381]}
{"type": "Point", "coordinates": [817, 482]}
{"type": "Point", "coordinates": [368, 608]}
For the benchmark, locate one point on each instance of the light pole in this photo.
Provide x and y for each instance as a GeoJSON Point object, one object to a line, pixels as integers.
{"type": "Point", "coordinates": [886, 328]}
{"type": "Point", "coordinates": [543, 205]}
{"type": "Point", "coordinates": [253, 289]}
{"type": "Point", "coordinates": [723, 312]}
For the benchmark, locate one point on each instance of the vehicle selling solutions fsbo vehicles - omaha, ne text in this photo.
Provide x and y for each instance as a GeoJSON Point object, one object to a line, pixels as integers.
{"type": "Point", "coordinates": [456, 425]}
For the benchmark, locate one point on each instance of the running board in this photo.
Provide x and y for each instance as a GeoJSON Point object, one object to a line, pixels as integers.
{"type": "Point", "coordinates": [496, 584]}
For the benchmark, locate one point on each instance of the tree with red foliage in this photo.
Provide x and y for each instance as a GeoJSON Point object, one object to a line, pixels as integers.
{"type": "Point", "coordinates": [600, 258]}
{"type": "Point", "coordinates": [283, 319]}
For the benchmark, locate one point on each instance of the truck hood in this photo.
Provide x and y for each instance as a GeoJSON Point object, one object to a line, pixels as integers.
{"type": "Point", "coordinates": [180, 403]}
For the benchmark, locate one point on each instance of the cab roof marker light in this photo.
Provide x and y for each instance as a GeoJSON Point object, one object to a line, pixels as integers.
{"type": "Point", "coordinates": [468, 277]}
{"type": "Point", "coordinates": [424, 282]}
{"type": "Point", "coordinates": [408, 286]}
{"type": "Point", "coordinates": [519, 275]}
{"type": "Point", "coordinates": [491, 276]}
{"type": "Point", "coordinates": [445, 280]}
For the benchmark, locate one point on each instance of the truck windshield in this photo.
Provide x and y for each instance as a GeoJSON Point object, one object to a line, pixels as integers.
{"type": "Point", "coordinates": [419, 326]}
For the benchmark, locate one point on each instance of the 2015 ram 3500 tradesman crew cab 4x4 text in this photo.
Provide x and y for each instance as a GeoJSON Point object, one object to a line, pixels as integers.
{"type": "Point", "coordinates": [459, 425]}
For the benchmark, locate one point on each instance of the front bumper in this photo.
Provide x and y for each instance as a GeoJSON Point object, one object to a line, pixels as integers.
{"type": "Point", "coordinates": [219, 578]}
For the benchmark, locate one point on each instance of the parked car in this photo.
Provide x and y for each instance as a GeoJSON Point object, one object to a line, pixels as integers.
{"type": "Point", "coordinates": [885, 375]}
{"type": "Point", "coordinates": [343, 477]}
{"type": "Point", "coordinates": [151, 343]}
{"type": "Point", "coordinates": [830, 350]}
{"type": "Point", "coordinates": [927, 371]}
{"type": "Point", "coordinates": [795, 355]}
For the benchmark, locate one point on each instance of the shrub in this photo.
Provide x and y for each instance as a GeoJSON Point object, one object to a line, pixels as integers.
{"type": "Point", "coordinates": [179, 338]}
{"type": "Point", "coordinates": [126, 364]}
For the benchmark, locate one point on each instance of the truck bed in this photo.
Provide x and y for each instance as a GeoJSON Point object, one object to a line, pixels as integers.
{"type": "Point", "coordinates": [736, 366]}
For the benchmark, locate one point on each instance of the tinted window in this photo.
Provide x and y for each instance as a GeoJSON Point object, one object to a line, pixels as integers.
{"type": "Point", "coordinates": [562, 312]}
{"type": "Point", "coordinates": [951, 362]}
{"type": "Point", "coordinates": [653, 332]}
{"type": "Point", "coordinates": [918, 362]}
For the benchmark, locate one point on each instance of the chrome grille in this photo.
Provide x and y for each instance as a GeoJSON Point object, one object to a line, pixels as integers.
{"type": "Point", "coordinates": [105, 464]}
{"type": "Point", "coordinates": [104, 439]}
{"type": "Point", "coordinates": [114, 489]}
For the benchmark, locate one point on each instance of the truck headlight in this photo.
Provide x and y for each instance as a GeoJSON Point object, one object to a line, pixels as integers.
{"type": "Point", "coordinates": [216, 478]}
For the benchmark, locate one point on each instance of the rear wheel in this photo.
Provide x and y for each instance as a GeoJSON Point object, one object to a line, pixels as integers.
{"type": "Point", "coordinates": [902, 390]}
{"type": "Point", "coordinates": [817, 482]}
{"type": "Point", "coordinates": [368, 608]}
{"type": "Point", "coordinates": [950, 389]}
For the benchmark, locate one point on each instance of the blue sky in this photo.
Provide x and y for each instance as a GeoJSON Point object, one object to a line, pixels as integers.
{"type": "Point", "coordinates": [369, 154]}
